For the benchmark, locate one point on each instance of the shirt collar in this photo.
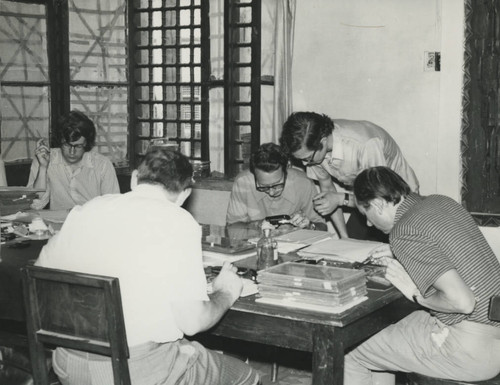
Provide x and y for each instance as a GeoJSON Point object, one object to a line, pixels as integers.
{"type": "Point", "coordinates": [337, 148]}
{"type": "Point", "coordinates": [407, 203]}
{"type": "Point", "coordinates": [152, 191]}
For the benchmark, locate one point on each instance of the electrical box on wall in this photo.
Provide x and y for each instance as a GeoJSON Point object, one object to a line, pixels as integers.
{"type": "Point", "coordinates": [432, 61]}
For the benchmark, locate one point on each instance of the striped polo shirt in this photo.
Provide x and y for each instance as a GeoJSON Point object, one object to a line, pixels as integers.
{"type": "Point", "coordinates": [435, 234]}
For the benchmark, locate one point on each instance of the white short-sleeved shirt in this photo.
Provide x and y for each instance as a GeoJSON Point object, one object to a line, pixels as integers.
{"type": "Point", "coordinates": [152, 245]}
{"type": "Point", "coordinates": [358, 145]}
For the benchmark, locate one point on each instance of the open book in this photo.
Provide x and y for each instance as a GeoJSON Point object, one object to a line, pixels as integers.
{"type": "Point", "coordinates": [345, 250]}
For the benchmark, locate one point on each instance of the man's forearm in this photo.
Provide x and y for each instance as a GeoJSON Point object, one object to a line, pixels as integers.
{"type": "Point", "coordinates": [339, 223]}
{"type": "Point", "coordinates": [41, 178]}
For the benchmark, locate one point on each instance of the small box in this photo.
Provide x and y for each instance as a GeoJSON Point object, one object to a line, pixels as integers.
{"type": "Point", "coordinates": [328, 279]}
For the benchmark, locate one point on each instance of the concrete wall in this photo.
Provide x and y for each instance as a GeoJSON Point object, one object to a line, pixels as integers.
{"type": "Point", "coordinates": [364, 59]}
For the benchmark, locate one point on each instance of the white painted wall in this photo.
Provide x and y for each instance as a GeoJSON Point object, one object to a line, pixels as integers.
{"type": "Point", "coordinates": [363, 59]}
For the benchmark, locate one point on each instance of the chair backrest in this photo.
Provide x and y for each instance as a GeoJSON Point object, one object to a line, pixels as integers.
{"type": "Point", "coordinates": [76, 311]}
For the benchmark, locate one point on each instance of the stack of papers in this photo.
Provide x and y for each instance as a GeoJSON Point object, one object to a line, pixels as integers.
{"type": "Point", "coordinates": [297, 239]}
{"type": "Point", "coordinates": [345, 250]}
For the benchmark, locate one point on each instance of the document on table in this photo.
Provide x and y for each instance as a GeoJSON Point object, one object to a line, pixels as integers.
{"type": "Point", "coordinates": [212, 258]}
{"type": "Point", "coordinates": [297, 239]}
{"type": "Point", "coordinates": [345, 250]}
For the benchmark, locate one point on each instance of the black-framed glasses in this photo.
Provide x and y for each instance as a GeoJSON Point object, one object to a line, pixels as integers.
{"type": "Point", "coordinates": [309, 160]}
{"type": "Point", "coordinates": [274, 190]}
{"type": "Point", "coordinates": [75, 147]}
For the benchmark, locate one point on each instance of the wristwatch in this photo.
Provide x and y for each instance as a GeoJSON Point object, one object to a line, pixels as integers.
{"type": "Point", "coordinates": [346, 200]}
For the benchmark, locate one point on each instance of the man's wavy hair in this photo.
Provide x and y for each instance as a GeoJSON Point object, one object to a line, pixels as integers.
{"type": "Point", "coordinates": [269, 157]}
{"type": "Point", "coordinates": [379, 182]}
{"type": "Point", "coordinates": [72, 127]}
{"type": "Point", "coordinates": [167, 168]}
{"type": "Point", "coordinates": [305, 127]}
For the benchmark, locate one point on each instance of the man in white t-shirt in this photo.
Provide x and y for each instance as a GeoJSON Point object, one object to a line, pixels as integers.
{"type": "Point", "coordinates": [153, 246]}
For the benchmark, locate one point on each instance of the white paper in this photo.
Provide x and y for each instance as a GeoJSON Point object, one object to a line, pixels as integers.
{"type": "Point", "coordinates": [346, 250]}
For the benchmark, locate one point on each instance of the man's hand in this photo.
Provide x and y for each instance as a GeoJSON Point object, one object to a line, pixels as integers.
{"type": "Point", "coordinates": [299, 220]}
{"type": "Point", "coordinates": [327, 202]}
{"type": "Point", "coordinates": [397, 275]}
{"type": "Point", "coordinates": [42, 152]}
{"type": "Point", "coordinates": [228, 282]}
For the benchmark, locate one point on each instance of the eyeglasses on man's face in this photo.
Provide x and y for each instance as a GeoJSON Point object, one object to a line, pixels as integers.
{"type": "Point", "coordinates": [273, 190]}
{"type": "Point", "coordinates": [309, 160]}
{"type": "Point", "coordinates": [73, 147]}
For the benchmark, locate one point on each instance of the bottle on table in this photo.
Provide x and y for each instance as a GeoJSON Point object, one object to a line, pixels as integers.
{"type": "Point", "coordinates": [267, 249]}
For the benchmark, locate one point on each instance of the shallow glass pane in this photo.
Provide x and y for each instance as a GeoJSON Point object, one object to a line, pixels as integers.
{"type": "Point", "coordinates": [197, 74]}
{"type": "Point", "coordinates": [27, 61]}
{"type": "Point", "coordinates": [158, 129]}
{"type": "Point", "coordinates": [185, 75]}
{"type": "Point", "coordinates": [157, 93]}
{"type": "Point", "coordinates": [143, 129]}
{"type": "Point", "coordinates": [156, 37]}
{"type": "Point", "coordinates": [185, 112]}
{"type": "Point", "coordinates": [197, 36]}
{"type": "Point", "coordinates": [196, 55]}
{"type": "Point", "coordinates": [142, 93]}
{"type": "Point", "coordinates": [185, 36]}
{"type": "Point", "coordinates": [171, 93]}
{"type": "Point", "coordinates": [142, 56]}
{"type": "Point", "coordinates": [142, 38]}
{"type": "Point", "coordinates": [157, 74]}
{"type": "Point", "coordinates": [170, 75]}
{"type": "Point", "coordinates": [172, 130]}
{"type": "Point", "coordinates": [98, 40]}
{"type": "Point", "coordinates": [170, 56]}
{"type": "Point", "coordinates": [156, 19]}
{"type": "Point", "coordinates": [25, 119]}
{"type": "Point", "coordinates": [197, 149]}
{"type": "Point", "coordinates": [157, 111]}
{"type": "Point", "coordinates": [142, 110]}
{"type": "Point", "coordinates": [142, 74]}
{"type": "Point", "coordinates": [185, 130]}
{"type": "Point", "coordinates": [186, 148]}
{"type": "Point", "coordinates": [157, 56]}
{"type": "Point", "coordinates": [197, 131]}
{"type": "Point", "coordinates": [185, 17]}
{"type": "Point", "coordinates": [170, 37]}
{"type": "Point", "coordinates": [171, 111]}
{"type": "Point", "coordinates": [185, 55]}
{"type": "Point", "coordinates": [170, 19]}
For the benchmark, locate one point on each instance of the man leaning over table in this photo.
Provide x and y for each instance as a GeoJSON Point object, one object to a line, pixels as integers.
{"type": "Point", "coordinates": [71, 173]}
{"type": "Point", "coordinates": [153, 246]}
{"type": "Point", "coordinates": [271, 188]}
{"type": "Point", "coordinates": [438, 258]}
{"type": "Point", "coordinates": [336, 151]}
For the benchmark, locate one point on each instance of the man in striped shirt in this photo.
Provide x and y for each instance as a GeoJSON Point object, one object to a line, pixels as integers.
{"type": "Point", "coordinates": [438, 258]}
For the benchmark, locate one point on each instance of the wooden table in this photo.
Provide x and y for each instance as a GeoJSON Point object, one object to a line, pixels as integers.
{"type": "Point", "coordinates": [327, 336]}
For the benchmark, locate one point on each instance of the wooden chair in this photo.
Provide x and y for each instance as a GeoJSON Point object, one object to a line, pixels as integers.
{"type": "Point", "coordinates": [76, 311]}
{"type": "Point", "coordinates": [420, 379]}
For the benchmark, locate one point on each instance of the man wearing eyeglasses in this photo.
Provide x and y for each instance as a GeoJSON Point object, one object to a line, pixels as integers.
{"type": "Point", "coordinates": [271, 188]}
{"type": "Point", "coordinates": [337, 151]}
{"type": "Point", "coordinates": [71, 173]}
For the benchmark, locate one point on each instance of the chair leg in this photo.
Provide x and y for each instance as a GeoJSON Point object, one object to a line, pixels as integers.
{"type": "Point", "coordinates": [274, 372]}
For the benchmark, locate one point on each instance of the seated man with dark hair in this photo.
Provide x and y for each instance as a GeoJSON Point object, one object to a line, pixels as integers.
{"type": "Point", "coordinates": [271, 188]}
{"type": "Point", "coordinates": [71, 173]}
{"type": "Point", "coordinates": [147, 240]}
{"type": "Point", "coordinates": [438, 258]}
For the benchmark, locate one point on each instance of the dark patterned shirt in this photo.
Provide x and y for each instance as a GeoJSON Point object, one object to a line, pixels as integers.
{"type": "Point", "coordinates": [435, 234]}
